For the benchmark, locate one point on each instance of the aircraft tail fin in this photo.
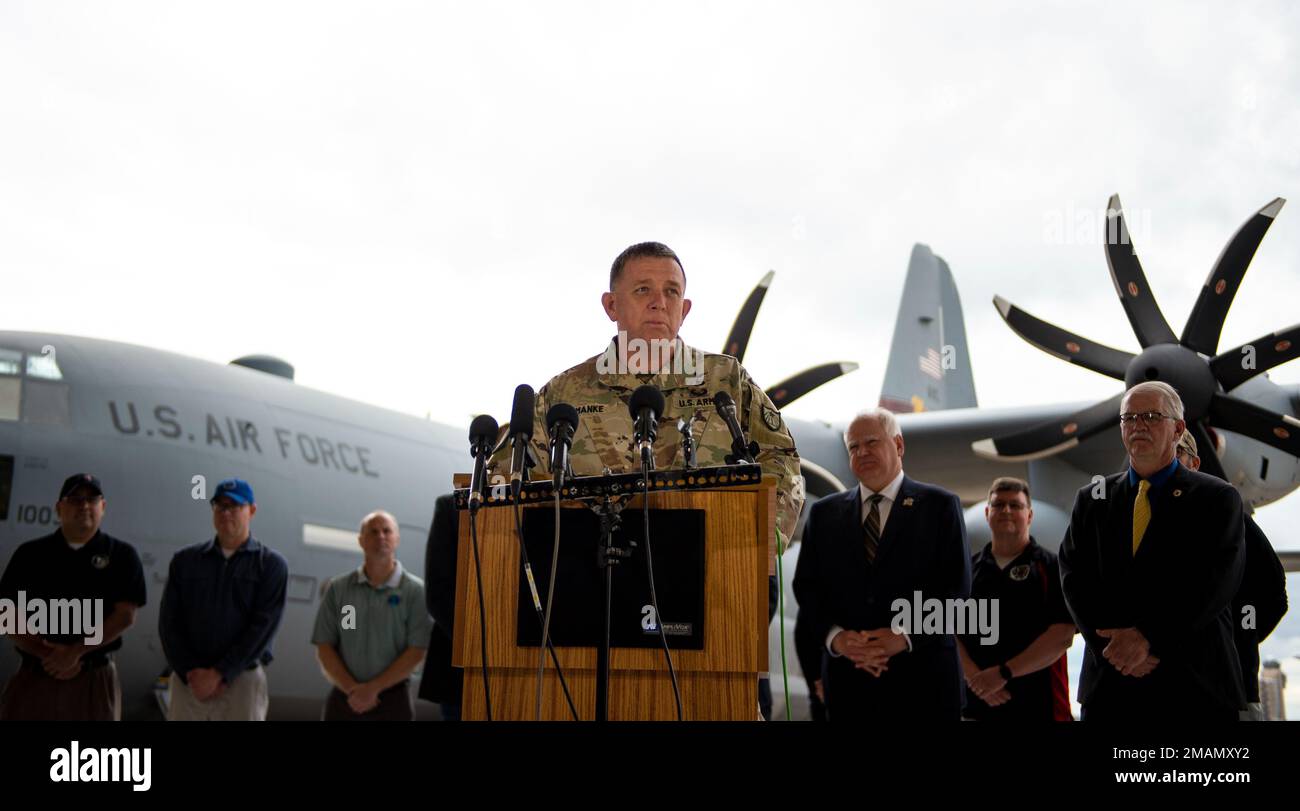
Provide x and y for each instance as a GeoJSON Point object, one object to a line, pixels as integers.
{"type": "Point", "coordinates": [929, 362]}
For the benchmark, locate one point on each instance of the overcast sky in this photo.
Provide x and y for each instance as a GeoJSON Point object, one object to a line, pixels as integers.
{"type": "Point", "coordinates": [370, 190]}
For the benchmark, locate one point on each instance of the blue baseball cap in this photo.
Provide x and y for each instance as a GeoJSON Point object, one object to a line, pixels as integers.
{"type": "Point", "coordinates": [237, 490]}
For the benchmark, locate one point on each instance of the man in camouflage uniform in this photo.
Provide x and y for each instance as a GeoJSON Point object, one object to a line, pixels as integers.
{"type": "Point", "coordinates": [646, 300]}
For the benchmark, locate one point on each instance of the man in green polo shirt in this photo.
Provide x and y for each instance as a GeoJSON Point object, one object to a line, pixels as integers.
{"type": "Point", "coordinates": [372, 630]}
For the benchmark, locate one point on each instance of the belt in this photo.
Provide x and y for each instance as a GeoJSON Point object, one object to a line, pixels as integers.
{"type": "Point", "coordinates": [92, 661]}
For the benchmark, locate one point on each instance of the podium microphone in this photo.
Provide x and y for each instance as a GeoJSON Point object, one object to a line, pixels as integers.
{"type": "Point", "coordinates": [561, 424]}
{"type": "Point", "coordinates": [521, 433]}
{"type": "Point", "coordinates": [688, 443]}
{"type": "Point", "coordinates": [482, 436]}
{"type": "Point", "coordinates": [741, 451]}
{"type": "Point", "coordinates": [646, 405]}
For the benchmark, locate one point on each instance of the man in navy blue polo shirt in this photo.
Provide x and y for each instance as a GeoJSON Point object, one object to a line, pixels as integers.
{"type": "Point", "coordinates": [220, 611]}
{"type": "Point", "coordinates": [1021, 674]}
{"type": "Point", "coordinates": [77, 573]}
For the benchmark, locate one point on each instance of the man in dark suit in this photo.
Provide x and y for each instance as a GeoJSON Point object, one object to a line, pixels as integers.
{"type": "Point", "coordinates": [442, 683]}
{"type": "Point", "coordinates": [866, 552]}
{"type": "Point", "coordinates": [1261, 600]}
{"type": "Point", "coordinates": [1149, 567]}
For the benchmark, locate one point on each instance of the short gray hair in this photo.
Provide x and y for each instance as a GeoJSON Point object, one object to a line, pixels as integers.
{"type": "Point", "coordinates": [377, 514]}
{"type": "Point", "coordinates": [882, 415]}
{"type": "Point", "coordinates": [1173, 403]}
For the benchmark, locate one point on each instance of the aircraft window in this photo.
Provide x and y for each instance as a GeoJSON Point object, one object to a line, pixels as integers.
{"type": "Point", "coordinates": [11, 362]}
{"type": "Point", "coordinates": [44, 367]}
{"type": "Point", "coordinates": [340, 540]}
{"type": "Point", "coordinates": [11, 397]}
{"type": "Point", "coordinates": [6, 485]}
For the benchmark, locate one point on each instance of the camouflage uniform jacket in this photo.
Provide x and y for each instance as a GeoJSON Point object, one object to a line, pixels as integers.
{"type": "Point", "coordinates": [604, 437]}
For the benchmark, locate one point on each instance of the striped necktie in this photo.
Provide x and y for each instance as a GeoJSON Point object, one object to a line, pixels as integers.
{"type": "Point", "coordinates": [1141, 514]}
{"type": "Point", "coordinates": [871, 528]}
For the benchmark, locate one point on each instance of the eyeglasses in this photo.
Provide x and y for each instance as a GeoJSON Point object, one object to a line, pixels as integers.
{"type": "Point", "coordinates": [1014, 506]}
{"type": "Point", "coordinates": [1146, 417]}
{"type": "Point", "coordinates": [225, 506]}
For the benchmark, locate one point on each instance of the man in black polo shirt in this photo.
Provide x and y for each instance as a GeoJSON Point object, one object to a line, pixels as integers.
{"type": "Point", "coordinates": [1021, 677]}
{"type": "Point", "coordinates": [220, 611]}
{"type": "Point", "coordinates": [68, 673]}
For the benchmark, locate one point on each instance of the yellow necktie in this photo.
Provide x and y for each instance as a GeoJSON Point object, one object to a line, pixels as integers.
{"type": "Point", "coordinates": [1141, 514]}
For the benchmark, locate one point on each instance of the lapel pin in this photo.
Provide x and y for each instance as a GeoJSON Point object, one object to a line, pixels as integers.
{"type": "Point", "coordinates": [907, 502]}
{"type": "Point", "coordinates": [1177, 493]}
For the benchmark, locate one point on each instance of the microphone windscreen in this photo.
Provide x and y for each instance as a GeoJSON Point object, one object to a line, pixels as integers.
{"type": "Point", "coordinates": [722, 400]}
{"type": "Point", "coordinates": [483, 430]}
{"type": "Point", "coordinates": [561, 412]}
{"type": "Point", "coordinates": [521, 414]}
{"type": "Point", "coordinates": [647, 396]}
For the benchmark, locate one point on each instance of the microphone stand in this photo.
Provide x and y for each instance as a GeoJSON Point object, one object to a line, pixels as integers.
{"type": "Point", "coordinates": [607, 557]}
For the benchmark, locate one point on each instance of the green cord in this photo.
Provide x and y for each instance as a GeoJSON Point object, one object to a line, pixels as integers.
{"type": "Point", "coordinates": [780, 603]}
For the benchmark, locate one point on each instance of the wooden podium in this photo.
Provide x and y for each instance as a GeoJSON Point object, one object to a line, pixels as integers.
{"type": "Point", "coordinates": [719, 682]}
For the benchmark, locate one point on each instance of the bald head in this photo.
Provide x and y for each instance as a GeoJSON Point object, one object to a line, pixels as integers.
{"type": "Point", "coordinates": [379, 537]}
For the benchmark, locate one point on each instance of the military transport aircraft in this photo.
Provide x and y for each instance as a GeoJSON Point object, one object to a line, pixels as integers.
{"type": "Point", "coordinates": [161, 429]}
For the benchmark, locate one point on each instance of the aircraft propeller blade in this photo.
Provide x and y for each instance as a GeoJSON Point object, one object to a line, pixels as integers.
{"type": "Point", "coordinates": [1290, 561]}
{"type": "Point", "coordinates": [1052, 437]}
{"type": "Point", "coordinates": [1281, 431]}
{"type": "Point", "coordinates": [1239, 364]}
{"type": "Point", "coordinates": [792, 388]}
{"type": "Point", "coordinates": [1205, 324]}
{"type": "Point", "coordinates": [738, 340]}
{"type": "Point", "coordinates": [1063, 344]}
{"type": "Point", "coordinates": [1135, 294]}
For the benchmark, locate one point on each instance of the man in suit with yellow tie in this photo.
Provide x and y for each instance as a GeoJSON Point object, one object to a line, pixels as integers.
{"type": "Point", "coordinates": [1149, 567]}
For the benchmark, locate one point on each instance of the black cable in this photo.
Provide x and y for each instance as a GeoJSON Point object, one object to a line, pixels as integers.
{"type": "Point", "coordinates": [550, 601]}
{"type": "Point", "coordinates": [650, 573]}
{"type": "Point", "coordinates": [532, 587]}
{"type": "Point", "coordinates": [482, 612]}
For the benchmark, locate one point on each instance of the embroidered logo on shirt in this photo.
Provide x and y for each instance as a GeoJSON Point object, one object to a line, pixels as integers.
{"type": "Point", "coordinates": [99, 561]}
{"type": "Point", "coordinates": [772, 418]}
{"type": "Point", "coordinates": [1020, 572]}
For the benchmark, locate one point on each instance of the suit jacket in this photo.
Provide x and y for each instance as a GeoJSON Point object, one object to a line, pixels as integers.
{"type": "Point", "coordinates": [1263, 587]}
{"type": "Point", "coordinates": [441, 682]}
{"type": "Point", "coordinates": [1177, 590]}
{"type": "Point", "coordinates": [922, 548]}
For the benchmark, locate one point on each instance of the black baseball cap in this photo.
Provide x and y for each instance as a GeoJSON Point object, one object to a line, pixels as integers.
{"type": "Point", "coordinates": [81, 480]}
